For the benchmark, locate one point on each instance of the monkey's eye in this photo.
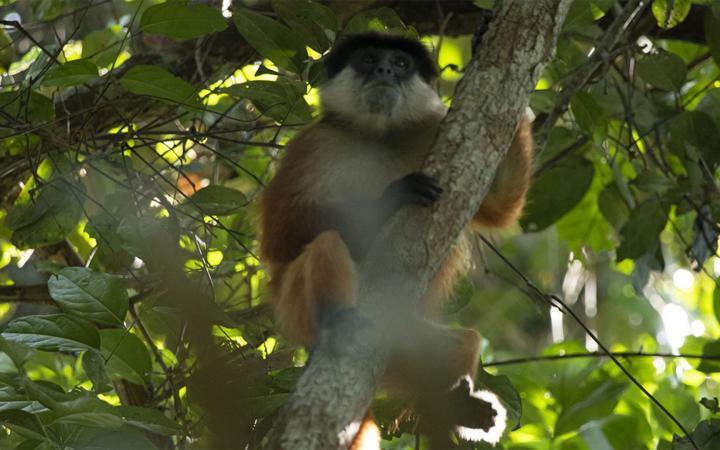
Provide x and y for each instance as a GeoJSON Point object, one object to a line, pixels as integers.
{"type": "Point", "coordinates": [401, 62]}
{"type": "Point", "coordinates": [368, 58]}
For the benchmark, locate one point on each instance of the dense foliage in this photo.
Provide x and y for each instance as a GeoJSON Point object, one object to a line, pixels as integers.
{"type": "Point", "coordinates": [136, 135]}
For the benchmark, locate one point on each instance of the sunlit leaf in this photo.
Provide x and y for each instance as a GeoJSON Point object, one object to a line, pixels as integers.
{"type": "Point", "coordinates": [670, 13]}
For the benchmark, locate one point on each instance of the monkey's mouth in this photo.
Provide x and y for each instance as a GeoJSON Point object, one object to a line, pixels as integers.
{"type": "Point", "coordinates": [381, 97]}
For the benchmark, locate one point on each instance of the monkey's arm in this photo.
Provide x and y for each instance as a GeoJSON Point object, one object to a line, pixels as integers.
{"type": "Point", "coordinates": [359, 221]}
{"type": "Point", "coordinates": [506, 198]}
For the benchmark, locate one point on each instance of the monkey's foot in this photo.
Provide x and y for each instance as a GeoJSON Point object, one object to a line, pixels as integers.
{"type": "Point", "coordinates": [483, 417]}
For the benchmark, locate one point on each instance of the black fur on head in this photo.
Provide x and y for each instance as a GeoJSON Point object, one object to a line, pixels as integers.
{"type": "Point", "coordinates": [338, 58]}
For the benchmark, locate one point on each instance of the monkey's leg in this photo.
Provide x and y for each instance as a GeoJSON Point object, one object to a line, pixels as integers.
{"type": "Point", "coordinates": [322, 276]}
{"type": "Point", "coordinates": [504, 203]}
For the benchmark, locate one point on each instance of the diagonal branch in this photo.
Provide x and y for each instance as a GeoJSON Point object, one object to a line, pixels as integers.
{"type": "Point", "coordinates": [338, 385]}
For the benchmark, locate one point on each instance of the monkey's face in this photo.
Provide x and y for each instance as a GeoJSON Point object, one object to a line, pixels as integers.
{"type": "Point", "coordinates": [379, 89]}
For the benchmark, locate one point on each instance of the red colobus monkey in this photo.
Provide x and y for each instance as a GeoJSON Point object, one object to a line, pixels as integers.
{"type": "Point", "coordinates": [345, 175]}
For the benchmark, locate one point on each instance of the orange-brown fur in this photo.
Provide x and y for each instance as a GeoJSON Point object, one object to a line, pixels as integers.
{"type": "Point", "coordinates": [309, 264]}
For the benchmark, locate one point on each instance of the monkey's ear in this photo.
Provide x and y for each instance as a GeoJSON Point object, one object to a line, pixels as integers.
{"type": "Point", "coordinates": [479, 414]}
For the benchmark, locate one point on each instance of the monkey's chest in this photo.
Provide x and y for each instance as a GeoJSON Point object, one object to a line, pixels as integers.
{"type": "Point", "coordinates": [366, 173]}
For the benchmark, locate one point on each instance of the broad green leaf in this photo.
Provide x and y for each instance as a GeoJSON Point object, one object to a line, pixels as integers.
{"type": "Point", "coordinates": [7, 52]}
{"type": "Point", "coordinates": [272, 40]}
{"type": "Point", "coordinates": [94, 419]}
{"type": "Point", "coordinates": [24, 424]}
{"type": "Point", "coordinates": [11, 399]}
{"type": "Point", "coordinates": [556, 192]}
{"type": "Point", "coordinates": [34, 108]}
{"type": "Point", "coordinates": [613, 206]}
{"type": "Point", "coordinates": [640, 232]}
{"type": "Point", "coordinates": [72, 73]}
{"type": "Point", "coordinates": [598, 404]}
{"type": "Point", "coordinates": [710, 366]}
{"type": "Point", "coordinates": [652, 182]}
{"type": "Point", "coordinates": [669, 13]}
{"type": "Point", "coordinates": [49, 217]}
{"type": "Point", "coordinates": [126, 355]}
{"type": "Point", "coordinates": [55, 332]}
{"type": "Point", "coordinates": [706, 436]}
{"type": "Point", "coordinates": [102, 47]}
{"type": "Point", "coordinates": [94, 366]}
{"type": "Point", "coordinates": [501, 386]}
{"type": "Point", "coordinates": [149, 419]}
{"type": "Point", "coordinates": [126, 438]}
{"type": "Point", "coordinates": [217, 200]}
{"type": "Point", "coordinates": [716, 302]}
{"type": "Point", "coordinates": [179, 20]}
{"type": "Point", "coordinates": [156, 82]}
{"type": "Point", "coordinates": [313, 21]}
{"type": "Point", "coordinates": [664, 70]}
{"type": "Point", "coordinates": [685, 408]}
{"type": "Point", "coordinates": [378, 19]}
{"type": "Point", "coordinates": [585, 226]}
{"type": "Point", "coordinates": [712, 36]}
{"type": "Point", "coordinates": [588, 113]}
{"type": "Point", "coordinates": [697, 134]}
{"type": "Point", "coordinates": [18, 353]}
{"type": "Point", "coordinates": [96, 296]}
{"type": "Point", "coordinates": [281, 100]}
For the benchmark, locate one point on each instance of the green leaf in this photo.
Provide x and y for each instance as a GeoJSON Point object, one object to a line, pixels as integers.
{"type": "Point", "coordinates": [556, 192]}
{"type": "Point", "coordinates": [378, 19]}
{"type": "Point", "coordinates": [94, 366]}
{"type": "Point", "coordinates": [670, 13]}
{"type": "Point", "coordinates": [696, 133]}
{"type": "Point", "coordinates": [664, 70]}
{"type": "Point", "coordinates": [55, 332]}
{"type": "Point", "coordinates": [18, 353]}
{"type": "Point", "coordinates": [680, 401]}
{"type": "Point", "coordinates": [710, 349]}
{"type": "Point", "coordinates": [281, 100]}
{"type": "Point", "coordinates": [716, 302]}
{"type": "Point", "coordinates": [178, 20]}
{"type": "Point", "coordinates": [598, 404]}
{"type": "Point", "coordinates": [24, 424]}
{"type": "Point", "coordinates": [49, 217]}
{"type": "Point", "coordinates": [72, 73]}
{"type": "Point", "coordinates": [642, 229]}
{"type": "Point", "coordinates": [156, 82]}
{"type": "Point", "coordinates": [712, 36]}
{"type": "Point", "coordinates": [149, 419]}
{"type": "Point", "coordinates": [96, 296]}
{"type": "Point", "coordinates": [126, 355]}
{"type": "Point", "coordinates": [313, 21]}
{"type": "Point", "coordinates": [706, 436]}
{"type": "Point", "coordinates": [272, 40]}
{"type": "Point", "coordinates": [613, 206]}
{"type": "Point", "coordinates": [102, 47]}
{"type": "Point", "coordinates": [93, 419]}
{"type": "Point", "coordinates": [11, 399]}
{"type": "Point", "coordinates": [34, 108]}
{"type": "Point", "coordinates": [217, 200]}
{"type": "Point", "coordinates": [588, 113]}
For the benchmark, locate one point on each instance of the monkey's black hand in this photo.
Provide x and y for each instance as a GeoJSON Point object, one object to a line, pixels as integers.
{"type": "Point", "coordinates": [415, 188]}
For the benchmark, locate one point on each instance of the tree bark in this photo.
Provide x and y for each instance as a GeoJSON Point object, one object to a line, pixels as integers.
{"type": "Point", "coordinates": [338, 385]}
